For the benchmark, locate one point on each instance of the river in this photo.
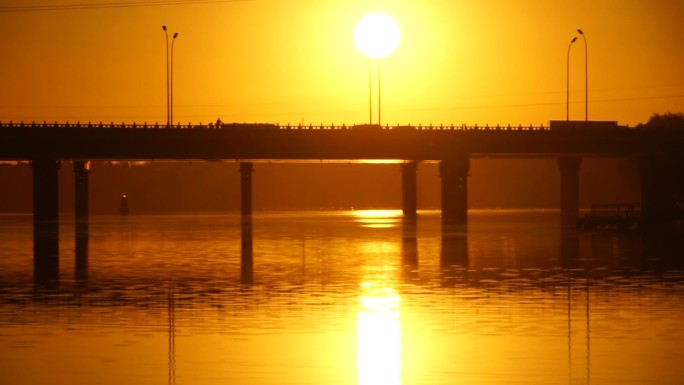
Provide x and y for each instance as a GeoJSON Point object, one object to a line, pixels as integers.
{"type": "Point", "coordinates": [341, 297]}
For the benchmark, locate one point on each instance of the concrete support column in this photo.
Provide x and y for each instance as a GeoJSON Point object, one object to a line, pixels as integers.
{"type": "Point", "coordinates": [409, 191]}
{"type": "Point", "coordinates": [45, 220]}
{"type": "Point", "coordinates": [569, 167]}
{"type": "Point", "coordinates": [454, 174]}
{"type": "Point", "coordinates": [662, 189]}
{"type": "Point", "coordinates": [246, 169]}
{"type": "Point", "coordinates": [81, 173]}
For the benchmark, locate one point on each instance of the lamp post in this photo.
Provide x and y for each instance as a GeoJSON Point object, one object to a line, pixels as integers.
{"type": "Point", "coordinates": [567, 100]}
{"type": "Point", "coordinates": [169, 77]}
{"type": "Point", "coordinates": [586, 77]}
{"type": "Point", "coordinates": [175, 35]}
{"type": "Point", "coordinates": [168, 106]}
{"type": "Point", "coordinates": [379, 124]}
{"type": "Point", "coordinates": [376, 36]}
{"type": "Point", "coordinates": [370, 91]}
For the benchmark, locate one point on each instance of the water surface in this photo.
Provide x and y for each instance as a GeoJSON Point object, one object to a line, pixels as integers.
{"type": "Point", "coordinates": [341, 297]}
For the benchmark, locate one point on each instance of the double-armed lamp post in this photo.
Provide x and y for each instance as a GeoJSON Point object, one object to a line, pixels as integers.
{"type": "Point", "coordinates": [376, 36]}
{"type": "Point", "coordinates": [169, 77]}
{"type": "Point", "coordinates": [586, 79]}
{"type": "Point", "coordinates": [567, 89]}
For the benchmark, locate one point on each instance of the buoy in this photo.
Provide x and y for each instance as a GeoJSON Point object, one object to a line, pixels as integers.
{"type": "Point", "coordinates": [123, 208]}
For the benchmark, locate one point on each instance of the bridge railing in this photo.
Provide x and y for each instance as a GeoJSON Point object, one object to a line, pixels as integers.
{"type": "Point", "coordinates": [420, 127]}
{"type": "Point", "coordinates": [296, 127]}
{"type": "Point", "coordinates": [94, 125]}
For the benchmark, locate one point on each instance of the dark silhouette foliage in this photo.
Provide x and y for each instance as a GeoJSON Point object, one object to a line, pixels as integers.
{"type": "Point", "coordinates": [666, 120]}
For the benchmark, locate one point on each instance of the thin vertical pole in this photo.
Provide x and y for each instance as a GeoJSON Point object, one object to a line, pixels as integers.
{"type": "Point", "coordinates": [168, 87]}
{"type": "Point", "coordinates": [173, 41]}
{"type": "Point", "coordinates": [567, 100]}
{"type": "Point", "coordinates": [586, 77]}
{"type": "Point", "coordinates": [379, 93]}
{"type": "Point", "coordinates": [370, 92]}
{"type": "Point", "coordinates": [586, 81]}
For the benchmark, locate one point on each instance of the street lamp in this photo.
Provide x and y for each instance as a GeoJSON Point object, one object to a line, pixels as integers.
{"type": "Point", "coordinates": [376, 36]}
{"type": "Point", "coordinates": [586, 78]}
{"type": "Point", "coordinates": [175, 35]}
{"type": "Point", "coordinates": [567, 100]}
{"type": "Point", "coordinates": [169, 77]}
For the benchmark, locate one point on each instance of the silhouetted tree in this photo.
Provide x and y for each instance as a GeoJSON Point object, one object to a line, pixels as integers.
{"type": "Point", "coordinates": [666, 120]}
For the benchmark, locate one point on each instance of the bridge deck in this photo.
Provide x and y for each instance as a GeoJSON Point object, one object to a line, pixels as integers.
{"type": "Point", "coordinates": [22, 141]}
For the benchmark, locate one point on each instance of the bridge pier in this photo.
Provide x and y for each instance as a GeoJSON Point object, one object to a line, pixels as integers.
{"type": "Point", "coordinates": [569, 167]}
{"type": "Point", "coordinates": [45, 220]}
{"type": "Point", "coordinates": [454, 174]}
{"type": "Point", "coordinates": [409, 191]}
{"type": "Point", "coordinates": [246, 169]}
{"type": "Point", "coordinates": [81, 173]}
{"type": "Point", "coordinates": [662, 190]}
{"type": "Point", "coordinates": [81, 218]}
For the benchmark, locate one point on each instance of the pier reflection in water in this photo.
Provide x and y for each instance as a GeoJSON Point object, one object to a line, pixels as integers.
{"type": "Point", "coordinates": [341, 298]}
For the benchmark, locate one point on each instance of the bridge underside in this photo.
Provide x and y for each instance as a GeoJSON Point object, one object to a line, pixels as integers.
{"type": "Point", "coordinates": [454, 190]}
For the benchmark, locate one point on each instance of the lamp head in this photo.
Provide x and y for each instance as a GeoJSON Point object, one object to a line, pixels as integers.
{"type": "Point", "coordinates": [175, 35]}
{"type": "Point", "coordinates": [580, 32]}
{"type": "Point", "coordinates": [164, 27]}
{"type": "Point", "coordinates": [573, 39]}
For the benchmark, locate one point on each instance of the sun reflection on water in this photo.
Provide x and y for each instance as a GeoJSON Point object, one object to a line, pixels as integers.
{"type": "Point", "coordinates": [377, 218]}
{"type": "Point", "coordinates": [378, 337]}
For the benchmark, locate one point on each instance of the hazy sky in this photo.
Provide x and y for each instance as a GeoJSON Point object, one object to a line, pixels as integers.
{"type": "Point", "coordinates": [292, 61]}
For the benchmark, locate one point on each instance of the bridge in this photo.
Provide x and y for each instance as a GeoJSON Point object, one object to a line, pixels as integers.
{"type": "Point", "coordinates": [47, 145]}
{"type": "Point", "coordinates": [274, 142]}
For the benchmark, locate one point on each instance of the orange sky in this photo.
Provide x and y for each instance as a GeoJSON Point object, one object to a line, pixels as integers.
{"type": "Point", "coordinates": [277, 61]}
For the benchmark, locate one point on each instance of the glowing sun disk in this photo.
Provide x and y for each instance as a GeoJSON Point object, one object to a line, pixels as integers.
{"type": "Point", "coordinates": [377, 35]}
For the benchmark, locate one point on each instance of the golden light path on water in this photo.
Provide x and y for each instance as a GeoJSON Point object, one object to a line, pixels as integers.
{"type": "Point", "coordinates": [378, 347]}
{"type": "Point", "coordinates": [378, 336]}
{"type": "Point", "coordinates": [377, 218]}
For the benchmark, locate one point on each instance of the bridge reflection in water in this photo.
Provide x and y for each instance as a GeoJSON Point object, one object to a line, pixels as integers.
{"type": "Point", "coordinates": [648, 249]}
{"type": "Point", "coordinates": [480, 272]}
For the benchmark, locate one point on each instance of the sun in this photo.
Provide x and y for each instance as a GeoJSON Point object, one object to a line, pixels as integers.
{"type": "Point", "coordinates": [377, 35]}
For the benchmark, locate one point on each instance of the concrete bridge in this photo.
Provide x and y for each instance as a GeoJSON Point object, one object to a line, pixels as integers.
{"type": "Point", "coordinates": [47, 145]}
